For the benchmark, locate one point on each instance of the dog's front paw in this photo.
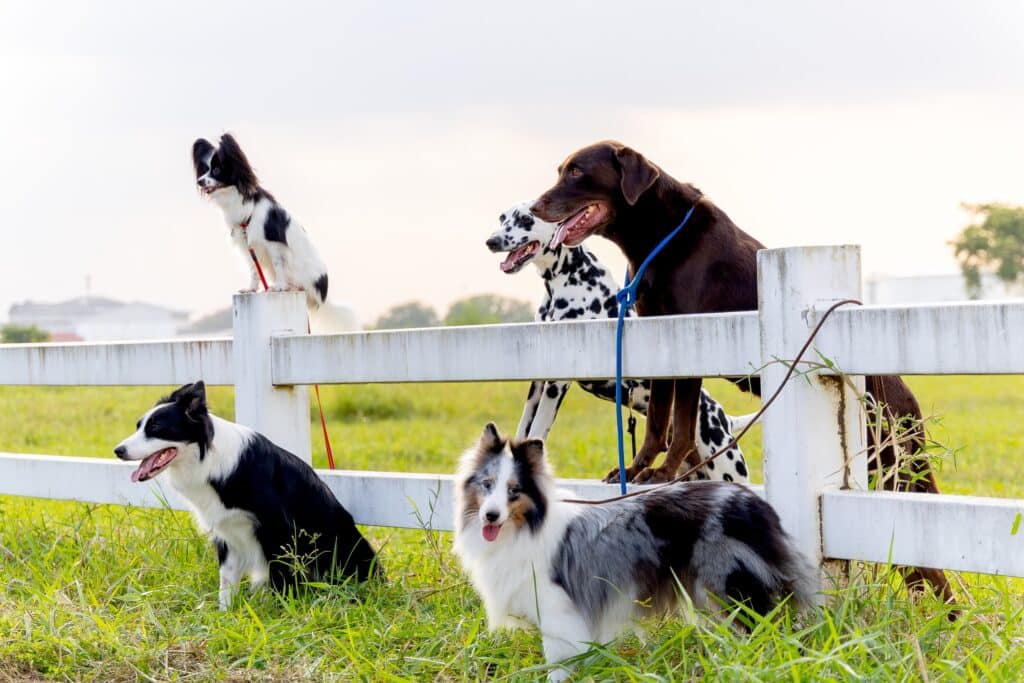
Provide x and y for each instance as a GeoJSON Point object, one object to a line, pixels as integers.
{"type": "Point", "coordinates": [653, 475]}
{"type": "Point", "coordinates": [247, 290]}
{"type": "Point", "coordinates": [613, 476]}
{"type": "Point", "coordinates": [278, 288]}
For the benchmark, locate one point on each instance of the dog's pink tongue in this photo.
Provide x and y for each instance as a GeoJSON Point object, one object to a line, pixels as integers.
{"type": "Point", "coordinates": [490, 532]}
{"type": "Point", "coordinates": [142, 470]}
{"type": "Point", "coordinates": [509, 263]}
{"type": "Point", "coordinates": [560, 234]}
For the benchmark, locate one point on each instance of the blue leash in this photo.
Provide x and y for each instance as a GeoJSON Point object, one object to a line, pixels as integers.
{"type": "Point", "coordinates": [626, 298]}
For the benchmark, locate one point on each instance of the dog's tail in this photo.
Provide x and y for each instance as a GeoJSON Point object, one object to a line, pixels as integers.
{"type": "Point", "coordinates": [332, 317]}
{"type": "Point", "coordinates": [801, 579]}
{"type": "Point", "coordinates": [738, 423]}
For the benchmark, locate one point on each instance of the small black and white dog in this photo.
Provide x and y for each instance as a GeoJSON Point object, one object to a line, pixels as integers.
{"type": "Point", "coordinates": [578, 287]}
{"type": "Point", "coordinates": [581, 573]}
{"type": "Point", "coordinates": [267, 512]}
{"type": "Point", "coordinates": [286, 254]}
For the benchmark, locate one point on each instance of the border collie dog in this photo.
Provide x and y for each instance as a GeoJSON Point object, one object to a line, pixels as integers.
{"type": "Point", "coordinates": [581, 573]}
{"type": "Point", "coordinates": [578, 287]}
{"type": "Point", "coordinates": [267, 512]}
{"type": "Point", "coordinates": [287, 256]}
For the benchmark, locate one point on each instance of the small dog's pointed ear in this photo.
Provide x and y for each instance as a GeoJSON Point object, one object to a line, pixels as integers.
{"type": "Point", "coordinates": [491, 440]}
{"type": "Point", "coordinates": [638, 174]}
{"type": "Point", "coordinates": [530, 451]}
{"type": "Point", "coordinates": [200, 148]}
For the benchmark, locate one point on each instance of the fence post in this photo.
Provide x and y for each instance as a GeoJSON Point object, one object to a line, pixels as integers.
{"type": "Point", "coordinates": [281, 413]}
{"type": "Point", "coordinates": [814, 434]}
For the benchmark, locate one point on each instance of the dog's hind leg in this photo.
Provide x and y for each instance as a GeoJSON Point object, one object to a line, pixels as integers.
{"type": "Point", "coordinates": [280, 260]}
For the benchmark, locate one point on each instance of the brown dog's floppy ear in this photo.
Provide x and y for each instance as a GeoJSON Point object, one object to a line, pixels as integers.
{"type": "Point", "coordinates": [638, 174]}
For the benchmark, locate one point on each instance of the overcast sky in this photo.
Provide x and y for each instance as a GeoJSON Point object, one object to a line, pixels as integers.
{"type": "Point", "coordinates": [397, 132]}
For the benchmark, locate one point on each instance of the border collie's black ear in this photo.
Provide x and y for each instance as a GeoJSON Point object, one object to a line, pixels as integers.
{"type": "Point", "coordinates": [192, 398]}
{"type": "Point", "coordinates": [530, 451]}
{"type": "Point", "coordinates": [200, 148]}
{"type": "Point", "coordinates": [638, 174]}
{"type": "Point", "coordinates": [491, 440]}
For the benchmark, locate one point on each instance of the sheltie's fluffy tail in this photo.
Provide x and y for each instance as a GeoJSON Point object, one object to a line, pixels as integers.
{"type": "Point", "coordinates": [331, 317]}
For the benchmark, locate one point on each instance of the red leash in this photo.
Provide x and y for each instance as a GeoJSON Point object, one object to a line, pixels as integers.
{"type": "Point", "coordinates": [316, 387]}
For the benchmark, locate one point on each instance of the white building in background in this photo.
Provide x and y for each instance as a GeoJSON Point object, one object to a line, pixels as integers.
{"type": "Point", "coordinates": [98, 319]}
{"type": "Point", "coordinates": [914, 289]}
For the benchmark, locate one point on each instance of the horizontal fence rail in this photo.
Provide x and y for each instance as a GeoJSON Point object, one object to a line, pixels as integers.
{"type": "Point", "coordinates": [964, 533]}
{"type": "Point", "coordinates": [946, 339]}
{"type": "Point", "coordinates": [121, 363]}
{"type": "Point", "coordinates": [391, 499]}
{"type": "Point", "coordinates": [717, 345]}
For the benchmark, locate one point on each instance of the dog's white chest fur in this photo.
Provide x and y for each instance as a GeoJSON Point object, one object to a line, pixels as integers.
{"type": "Point", "coordinates": [236, 528]}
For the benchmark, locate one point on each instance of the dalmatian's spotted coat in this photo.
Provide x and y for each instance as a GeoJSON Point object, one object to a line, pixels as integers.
{"type": "Point", "coordinates": [577, 286]}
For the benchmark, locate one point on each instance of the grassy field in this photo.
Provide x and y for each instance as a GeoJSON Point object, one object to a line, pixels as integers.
{"type": "Point", "coordinates": [103, 593]}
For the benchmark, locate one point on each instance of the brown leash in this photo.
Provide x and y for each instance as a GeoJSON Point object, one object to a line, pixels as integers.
{"type": "Point", "coordinates": [735, 440]}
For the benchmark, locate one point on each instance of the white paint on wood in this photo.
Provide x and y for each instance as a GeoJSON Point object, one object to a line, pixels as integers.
{"type": "Point", "coordinates": [813, 433]}
{"type": "Point", "coordinates": [390, 499]}
{"type": "Point", "coordinates": [281, 413]}
{"type": "Point", "coordinates": [724, 344]}
{"type": "Point", "coordinates": [949, 339]}
{"type": "Point", "coordinates": [962, 533]}
{"type": "Point", "coordinates": [123, 363]}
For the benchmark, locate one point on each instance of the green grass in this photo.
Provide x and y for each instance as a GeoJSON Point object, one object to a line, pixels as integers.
{"type": "Point", "coordinates": [105, 593]}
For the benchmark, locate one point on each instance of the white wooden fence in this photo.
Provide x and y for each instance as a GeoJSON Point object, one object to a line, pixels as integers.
{"type": "Point", "coordinates": [815, 468]}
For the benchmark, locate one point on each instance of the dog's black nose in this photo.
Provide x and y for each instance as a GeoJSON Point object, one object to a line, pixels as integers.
{"type": "Point", "coordinates": [494, 243]}
{"type": "Point", "coordinates": [120, 452]}
{"type": "Point", "coordinates": [491, 516]}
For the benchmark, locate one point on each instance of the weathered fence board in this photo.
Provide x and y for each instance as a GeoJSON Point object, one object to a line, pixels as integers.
{"type": "Point", "coordinates": [965, 533]}
{"type": "Point", "coordinates": [724, 344]}
{"type": "Point", "coordinates": [121, 363]}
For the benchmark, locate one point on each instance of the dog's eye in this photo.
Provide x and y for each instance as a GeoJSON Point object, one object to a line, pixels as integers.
{"type": "Point", "coordinates": [487, 484]}
{"type": "Point", "coordinates": [514, 491]}
{"type": "Point", "coordinates": [215, 172]}
{"type": "Point", "coordinates": [575, 171]}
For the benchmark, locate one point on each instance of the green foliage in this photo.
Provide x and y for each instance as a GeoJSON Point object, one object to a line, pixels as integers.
{"type": "Point", "coordinates": [407, 316]}
{"type": "Point", "coordinates": [109, 593]}
{"type": "Point", "coordinates": [995, 244]}
{"type": "Point", "coordinates": [22, 334]}
{"type": "Point", "coordinates": [484, 309]}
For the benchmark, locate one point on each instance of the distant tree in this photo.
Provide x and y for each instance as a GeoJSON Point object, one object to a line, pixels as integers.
{"type": "Point", "coordinates": [995, 244]}
{"type": "Point", "coordinates": [22, 334]}
{"type": "Point", "coordinates": [404, 316]}
{"type": "Point", "coordinates": [488, 308]}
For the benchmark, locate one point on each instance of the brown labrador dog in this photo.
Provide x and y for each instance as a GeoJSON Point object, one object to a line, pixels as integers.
{"type": "Point", "coordinates": [611, 190]}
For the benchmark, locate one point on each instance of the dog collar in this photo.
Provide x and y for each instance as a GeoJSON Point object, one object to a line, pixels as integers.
{"type": "Point", "coordinates": [245, 224]}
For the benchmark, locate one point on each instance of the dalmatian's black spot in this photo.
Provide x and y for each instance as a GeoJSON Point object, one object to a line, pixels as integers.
{"type": "Point", "coordinates": [710, 464]}
{"type": "Point", "coordinates": [552, 391]}
{"type": "Point", "coordinates": [524, 221]}
{"type": "Point", "coordinates": [729, 454]}
{"type": "Point", "coordinates": [726, 476]}
{"type": "Point", "coordinates": [595, 306]}
{"type": "Point", "coordinates": [561, 303]}
{"type": "Point", "coordinates": [741, 468]}
{"type": "Point", "coordinates": [501, 218]}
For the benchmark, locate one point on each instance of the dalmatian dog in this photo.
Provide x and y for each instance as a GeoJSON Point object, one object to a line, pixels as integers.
{"type": "Point", "coordinates": [579, 287]}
